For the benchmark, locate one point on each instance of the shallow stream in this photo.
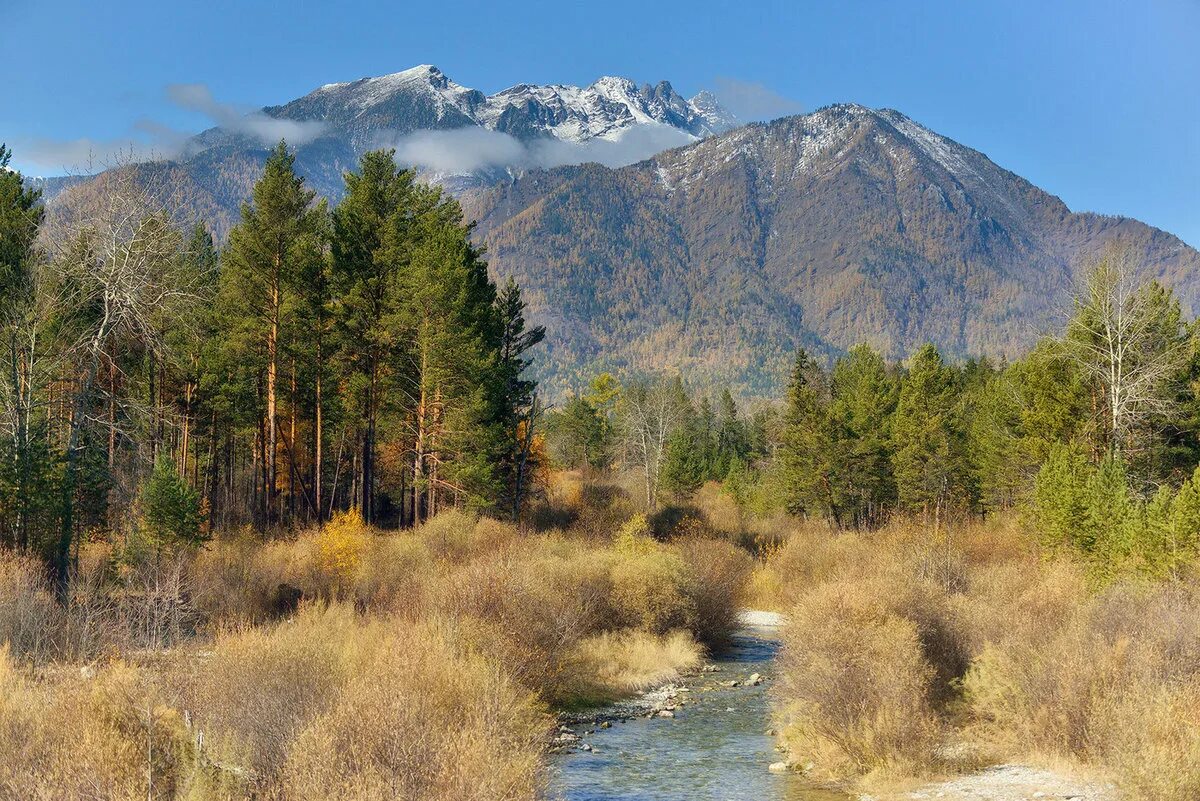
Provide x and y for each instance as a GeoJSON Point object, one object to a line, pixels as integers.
{"type": "Point", "coordinates": [716, 748]}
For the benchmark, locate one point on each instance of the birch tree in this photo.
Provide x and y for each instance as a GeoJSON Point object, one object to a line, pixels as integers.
{"type": "Point", "coordinates": [649, 414]}
{"type": "Point", "coordinates": [1130, 341]}
{"type": "Point", "coordinates": [117, 256]}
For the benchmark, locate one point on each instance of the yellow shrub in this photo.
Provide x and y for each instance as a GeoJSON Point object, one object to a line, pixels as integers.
{"type": "Point", "coordinates": [341, 544]}
{"type": "Point", "coordinates": [634, 537]}
{"type": "Point", "coordinates": [650, 591]}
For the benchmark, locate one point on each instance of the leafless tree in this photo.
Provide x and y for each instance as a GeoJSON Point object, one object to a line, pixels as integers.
{"type": "Point", "coordinates": [648, 414]}
{"type": "Point", "coordinates": [1128, 338]}
{"type": "Point", "coordinates": [118, 261]}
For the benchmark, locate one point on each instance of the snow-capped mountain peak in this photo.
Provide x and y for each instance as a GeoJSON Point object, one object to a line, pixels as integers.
{"type": "Point", "coordinates": [424, 97]}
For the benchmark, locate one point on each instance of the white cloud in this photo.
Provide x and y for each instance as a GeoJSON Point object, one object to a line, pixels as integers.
{"type": "Point", "coordinates": [465, 150]}
{"type": "Point", "coordinates": [751, 101]}
{"type": "Point", "coordinates": [150, 140]}
{"type": "Point", "coordinates": [85, 156]}
{"type": "Point", "coordinates": [268, 130]}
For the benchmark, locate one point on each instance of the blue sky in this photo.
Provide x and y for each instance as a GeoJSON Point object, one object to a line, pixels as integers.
{"type": "Point", "coordinates": [1097, 102]}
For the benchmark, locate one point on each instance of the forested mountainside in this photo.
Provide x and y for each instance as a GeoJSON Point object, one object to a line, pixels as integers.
{"type": "Point", "coordinates": [842, 226]}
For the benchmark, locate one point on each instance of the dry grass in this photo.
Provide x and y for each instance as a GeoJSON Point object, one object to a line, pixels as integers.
{"type": "Point", "coordinates": [905, 640]}
{"type": "Point", "coordinates": [346, 662]}
{"type": "Point", "coordinates": [106, 734]}
{"type": "Point", "coordinates": [615, 664]}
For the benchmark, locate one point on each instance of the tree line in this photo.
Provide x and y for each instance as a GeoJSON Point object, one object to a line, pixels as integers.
{"type": "Point", "coordinates": [1095, 432]}
{"type": "Point", "coordinates": [324, 358]}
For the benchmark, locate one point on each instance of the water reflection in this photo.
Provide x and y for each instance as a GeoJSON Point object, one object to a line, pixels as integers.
{"type": "Point", "coordinates": [715, 749]}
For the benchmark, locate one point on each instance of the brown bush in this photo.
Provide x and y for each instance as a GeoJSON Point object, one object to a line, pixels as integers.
{"type": "Point", "coordinates": [29, 617]}
{"type": "Point", "coordinates": [261, 686]}
{"type": "Point", "coordinates": [105, 735]}
{"type": "Point", "coordinates": [719, 573]}
{"type": "Point", "coordinates": [422, 719]}
{"type": "Point", "coordinates": [855, 686]}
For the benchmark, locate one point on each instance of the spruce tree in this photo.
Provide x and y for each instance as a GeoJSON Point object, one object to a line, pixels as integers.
{"type": "Point", "coordinates": [928, 451]}
{"type": "Point", "coordinates": [807, 444]}
{"type": "Point", "coordinates": [171, 512]}
{"type": "Point", "coordinates": [515, 401]}
{"type": "Point", "coordinates": [1060, 498]}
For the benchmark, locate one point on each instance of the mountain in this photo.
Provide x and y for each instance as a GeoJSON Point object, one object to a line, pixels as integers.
{"type": "Point", "coordinates": [460, 136]}
{"type": "Point", "coordinates": [718, 257]}
{"type": "Point", "coordinates": [454, 135]}
{"type": "Point", "coordinates": [845, 225]}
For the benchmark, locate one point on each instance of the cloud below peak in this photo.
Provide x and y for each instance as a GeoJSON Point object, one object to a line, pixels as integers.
{"type": "Point", "coordinates": [462, 151]}
{"type": "Point", "coordinates": [268, 130]}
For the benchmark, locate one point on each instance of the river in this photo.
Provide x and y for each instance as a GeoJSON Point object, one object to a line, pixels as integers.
{"type": "Point", "coordinates": [716, 748]}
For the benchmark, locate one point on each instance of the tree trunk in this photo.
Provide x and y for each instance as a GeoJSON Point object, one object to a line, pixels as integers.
{"type": "Point", "coordinates": [272, 378]}
{"type": "Point", "coordinates": [318, 434]}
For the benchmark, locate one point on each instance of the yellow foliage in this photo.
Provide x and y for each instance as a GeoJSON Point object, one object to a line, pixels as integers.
{"type": "Point", "coordinates": [341, 544]}
{"type": "Point", "coordinates": [634, 537]}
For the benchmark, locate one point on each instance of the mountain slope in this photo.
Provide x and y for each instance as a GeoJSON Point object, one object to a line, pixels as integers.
{"type": "Point", "coordinates": [845, 225]}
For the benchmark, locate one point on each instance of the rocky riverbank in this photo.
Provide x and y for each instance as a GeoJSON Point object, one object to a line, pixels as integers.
{"type": "Point", "coordinates": [1008, 783]}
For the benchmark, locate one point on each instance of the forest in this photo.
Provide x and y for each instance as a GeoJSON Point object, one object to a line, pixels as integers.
{"type": "Point", "coordinates": [286, 516]}
{"type": "Point", "coordinates": [324, 359]}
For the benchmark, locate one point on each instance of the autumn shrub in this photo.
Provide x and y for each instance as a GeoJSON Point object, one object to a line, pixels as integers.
{"type": "Point", "coordinates": [423, 718]}
{"type": "Point", "coordinates": [395, 574]}
{"type": "Point", "coordinates": [1150, 737]}
{"type": "Point", "coordinates": [228, 583]}
{"type": "Point", "coordinates": [719, 572]}
{"type": "Point", "coordinates": [651, 591]}
{"type": "Point", "coordinates": [532, 608]}
{"type": "Point", "coordinates": [855, 686]}
{"type": "Point", "coordinates": [261, 686]}
{"type": "Point", "coordinates": [1112, 679]}
{"type": "Point", "coordinates": [980, 640]}
{"type": "Point", "coordinates": [102, 734]}
{"type": "Point", "coordinates": [29, 617]}
{"type": "Point", "coordinates": [341, 546]}
{"type": "Point", "coordinates": [720, 508]}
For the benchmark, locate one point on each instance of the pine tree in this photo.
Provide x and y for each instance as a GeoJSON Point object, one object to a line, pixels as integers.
{"type": "Point", "coordinates": [864, 400]}
{"type": "Point", "coordinates": [446, 315]}
{"type": "Point", "coordinates": [579, 434]}
{"type": "Point", "coordinates": [372, 241]}
{"type": "Point", "coordinates": [22, 461]}
{"type": "Point", "coordinates": [1112, 526]}
{"type": "Point", "coordinates": [268, 253]}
